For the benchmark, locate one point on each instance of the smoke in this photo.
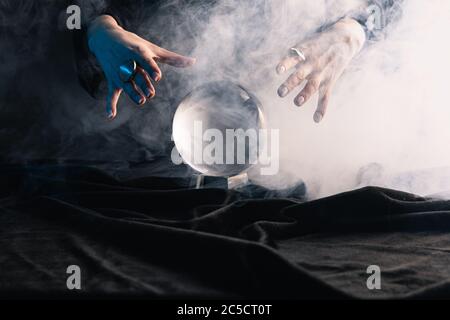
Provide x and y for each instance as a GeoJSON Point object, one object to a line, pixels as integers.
{"type": "Point", "coordinates": [45, 113]}
{"type": "Point", "coordinates": [387, 123]}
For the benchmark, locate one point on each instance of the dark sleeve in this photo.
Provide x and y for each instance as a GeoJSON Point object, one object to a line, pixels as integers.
{"type": "Point", "coordinates": [128, 14]}
{"type": "Point", "coordinates": [377, 16]}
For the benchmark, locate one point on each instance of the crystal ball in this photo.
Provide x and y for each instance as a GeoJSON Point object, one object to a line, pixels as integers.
{"type": "Point", "coordinates": [216, 129]}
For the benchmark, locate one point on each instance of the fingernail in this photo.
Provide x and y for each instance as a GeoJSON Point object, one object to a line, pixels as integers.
{"type": "Point", "coordinates": [138, 99]}
{"type": "Point", "coordinates": [148, 93]}
{"type": "Point", "coordinates": [300, 101]}
{"type": "Point", "coordinates": [155, 76]}
{"type": "Point", "coordinates": [190, 61]}
{"type": "Point", "coordinates": [318, 117]}
{"type": "Point", "coordinates": [281, 69]}
{"type": "Point", "coordinates": [283, 91]}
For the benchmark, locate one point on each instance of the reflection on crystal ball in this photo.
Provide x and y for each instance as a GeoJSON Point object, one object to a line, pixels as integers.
{"type": "Point", "coordinates": [216, 129]}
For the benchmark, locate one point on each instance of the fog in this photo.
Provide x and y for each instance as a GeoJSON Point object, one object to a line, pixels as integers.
{"type": "Point", "coordinates": [388, 120]}
{"type": "Point", "coordinates": [390, 108]}
{"type": "Point", "coordinates": [389, 112]}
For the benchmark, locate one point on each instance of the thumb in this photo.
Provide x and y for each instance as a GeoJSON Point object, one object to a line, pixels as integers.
{"type": "Point", "coordinates": [175, 59]}
{"type": "Point", "coordinates": [111, 102]}
{"type": "Point", "coordinates": [324, 100]}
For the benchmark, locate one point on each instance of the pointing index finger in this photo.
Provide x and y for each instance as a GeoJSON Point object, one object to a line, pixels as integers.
{"type": "Point", "coordinates": [147, 62]}
{"type": "Point", "coordinates": [174, 59]}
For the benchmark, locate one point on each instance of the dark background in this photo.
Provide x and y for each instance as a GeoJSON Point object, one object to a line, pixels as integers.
{"type": "Point", "coordinates": [44, 111]}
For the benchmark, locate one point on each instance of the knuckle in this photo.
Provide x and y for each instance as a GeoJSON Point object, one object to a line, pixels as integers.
{"type": "Point", "coordinates": [146, 77]}
{"type": "Point", "coordinates": [299, 75]}
{"type": "Point", "coordinates": [140, 50]}
{"type": "Point", "coordinates": [289, 82]}
{"type": "Point", "coordinates": [143, 81]}
{"type": "Point", "coordinates": [291, 61]}
{"type": "Point", "coordinates": [347, 39]}
{"type": "Point", "coordinates": [314, 84]}
{"type": "Point", "coordinates": [318, 64]}
{"type": "Point", "coordinates": [330, 58]}
{"type": "Point", "coordinates": [148, 61]}
{"type": "Point", "coordinates": [295, 79]}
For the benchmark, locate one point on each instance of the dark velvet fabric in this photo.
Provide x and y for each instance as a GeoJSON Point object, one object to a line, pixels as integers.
{"type": "Point", "coordinates": [152, 237]}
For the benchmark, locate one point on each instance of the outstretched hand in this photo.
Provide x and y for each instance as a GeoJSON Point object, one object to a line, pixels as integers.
{"type": "Point", "coordinates": [327, 56]}
{"type": "Point", "coordinates": [113, 47]}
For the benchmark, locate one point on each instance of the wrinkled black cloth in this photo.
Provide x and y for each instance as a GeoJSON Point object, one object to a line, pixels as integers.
{"type": "Point", "coordinates": [153, 237]}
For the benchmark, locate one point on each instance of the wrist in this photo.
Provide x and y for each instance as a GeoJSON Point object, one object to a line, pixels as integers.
{"type": "Point", "coordinates": [99, 25]}
{"type": "Point", "coordinates": [352, 33]}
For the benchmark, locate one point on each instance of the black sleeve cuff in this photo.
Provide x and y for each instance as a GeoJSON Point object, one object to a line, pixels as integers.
{"type": "Point", "coordinates": [377, 17]}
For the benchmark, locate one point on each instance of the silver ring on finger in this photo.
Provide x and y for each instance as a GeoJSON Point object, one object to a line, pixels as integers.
{"type": "Point", "coordinates": [127, 71]}
{"type": "Point", "coordinates": [297, 53]}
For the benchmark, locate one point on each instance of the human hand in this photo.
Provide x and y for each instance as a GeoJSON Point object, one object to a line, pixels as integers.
{"type": "Point", "coordinates": [327, 56]}
{"type": "Point", "coordinates": [113, 47]}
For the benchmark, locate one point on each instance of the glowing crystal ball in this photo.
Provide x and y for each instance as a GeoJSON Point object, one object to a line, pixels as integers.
{"type": "Point", "coordinates": [216, 129]}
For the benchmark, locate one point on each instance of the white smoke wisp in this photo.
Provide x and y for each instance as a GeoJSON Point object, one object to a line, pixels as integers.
{"type": "Point", "coordinates": [391, 107]}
